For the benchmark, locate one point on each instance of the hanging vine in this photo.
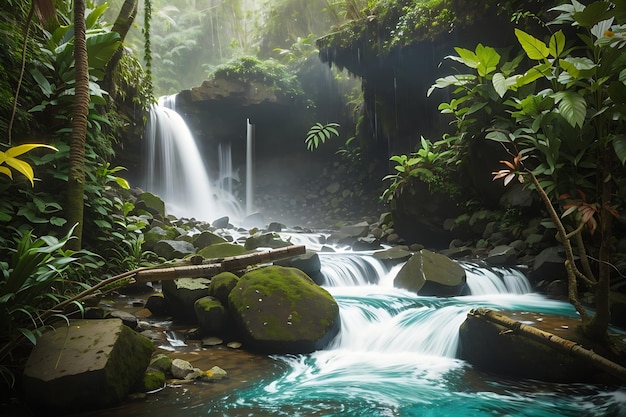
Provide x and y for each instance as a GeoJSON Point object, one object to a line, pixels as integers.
{"type": "Point", "coordinates": [147, 50]}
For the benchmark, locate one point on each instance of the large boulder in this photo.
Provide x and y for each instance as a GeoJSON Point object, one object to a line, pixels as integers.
{"type": "Point", "coordinates": [173, 249]}
{"type": "Point", "coordinates": [281, 310]}
{"type": "Point", "coordinates": [89, 364]}
{"type": "Point", "coordinates": [494, 348]}
{"type": "Point", "coordinates": [430, 273]}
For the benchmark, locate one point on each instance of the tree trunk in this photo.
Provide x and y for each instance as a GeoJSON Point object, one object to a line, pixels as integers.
{"type": "Point", "coordinates": [76, 177]}
{"type": "Point", "coordinates": [122, 25]}
{"type": "Point", "coordinates": [598, 325]}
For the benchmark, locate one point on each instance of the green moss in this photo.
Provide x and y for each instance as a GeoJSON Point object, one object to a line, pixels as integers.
{"type": "Point", "coordinates": [221, 250]}
{"type": "Point", "coordinates": [270, 73]}
{"type": "Point", "coordinates": [153, 380]}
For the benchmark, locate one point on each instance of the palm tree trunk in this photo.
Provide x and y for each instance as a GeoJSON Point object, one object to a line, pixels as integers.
{"type": "Point", "coordinates": [76, 179]}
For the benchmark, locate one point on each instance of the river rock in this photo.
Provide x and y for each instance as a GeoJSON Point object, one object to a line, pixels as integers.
{"type": "Point", "coordinates": [502, 255]}
{"type": "Point", "coordinates": [430, 273]}
{"type": "Point", "coordinates": [173, 249]}
{"type": "Point", "coordinates": [309, 263]}
{"type": "Point", "coordinates": [281, 310]}
{"type": "Point", "coordinates": [221, 250]}
{"type": "Point", "coordinates": [211, 315]}
{"type": "Point", "coordinates": [494, 348]}
{"type": "Point", "coordinates": [181, 295]}
{"type": "Point", "coordinates": [207, 238]}
{"type": "Point", "coordinates": [221, 285]}
{"type": "Point", "coordinates": [89, 364]}
{"type": "Point", "coordinates": [265, 240]}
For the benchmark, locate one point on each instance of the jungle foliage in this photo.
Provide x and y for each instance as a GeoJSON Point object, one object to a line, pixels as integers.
{"type": "Point", "coordinates": [558, 109]}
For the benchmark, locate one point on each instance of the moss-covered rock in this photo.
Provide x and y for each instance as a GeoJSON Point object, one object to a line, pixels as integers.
{"type": "Point", "coordinates": [212, 316]}
{"type": "Point", "coordinates": [281, 310]}
{"type": "Point", "coordinates": [221, 285]}
{"type": "Point", "coordinates": [265, 240]}
{"type": "Point", "coordinates": [221, 250]}
{"type": "Point", "coordinates": [153, 380]}
{"type": "Point", "coordinates": [207, 238]}
{"type": "Point", "coordinates": [151, 203]}
{"type": "Point", "coordinates": [89, 364]}
{"type": "Point", "coordinates": [161, 362]}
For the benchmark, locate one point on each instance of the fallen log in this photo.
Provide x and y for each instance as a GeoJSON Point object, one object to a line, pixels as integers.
{"type": "Point", "coordinates": [552, 340]}
{"type": "Point", "coordinates": [232, 264]}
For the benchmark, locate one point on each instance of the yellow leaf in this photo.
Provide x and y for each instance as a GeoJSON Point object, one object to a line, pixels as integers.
{"type": "Point", "coordinates": [6, 171]}
{"type": "Point", "coordinates": [21, 149]}
{"type": "Point", "coordinates": [22, 167]}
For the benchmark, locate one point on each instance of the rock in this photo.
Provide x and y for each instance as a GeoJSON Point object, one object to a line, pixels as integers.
{"type": "Point", "coordinates": [234, 345]}
{"type": "Point", "coordinates": [309, 263]}
{"type": "Point", "coordinates": [157, 305]}
{"type": "Point", "coordinates": [355, 230]}
{"type": "Point", "coordinates": [155, 234]}
{"type": "Point", "coordinates": [211, 315]}
{"type": "Point", "coordinates": [151, 203]}
{"type": "Point", "coordinates": [393, 255]}
{"type": "Point", "coordinates": [369, 243]}
{"type": "Point", "coordinates": [127, 318]}
{"type": "Point", "coordinates": [221, 223]}
{"type": "Point", "coordinates": [281, 310]}
{"type": "Point", "coordinates": [214, 374]}
{"type": "Point", "coordinates": [549, 265]}
{"type": "Point", "coordinates": [182, 369]}
{"type": "Point", "coordinates": [211, 341]}
{"type": "Point", "coordinates": [221, 250]}
{"type": "Point", "coordinates": [181, 294]}
{"type": "Point", "coordinates": [275, 227]}
{"type": "Point", "coordinates": [492, 348]}
{"type": "Point", "coordinates": [333, 188]}
{"type": "Point", "coordinates": [502, 255]}
{"type": "Point", "coordinates": [152, 381]}
{"type": "Point", "coordinates": [265, 240]}
{"type": "Point", "coordinates": [89, 364]}
{"type": "Point", "coordinates": [173, 249]}
{"type": "Point", "coordinates": [221, 285]}
{"type": "Point", "coordinates": [253, 220]}
{"type": "Point", "coordinates": [161, 362]}
{"type": "Point", "coordinates": [429, 273]}
{"type": "Point", "coordinates": [207, 238]}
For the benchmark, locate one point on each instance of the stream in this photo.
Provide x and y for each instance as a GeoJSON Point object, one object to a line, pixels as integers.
{"type": "Point", "coordinates": [396, 355]}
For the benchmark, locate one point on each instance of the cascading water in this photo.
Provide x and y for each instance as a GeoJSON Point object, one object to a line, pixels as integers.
{"type": "Point", "coordinates": [395, 356]}
{"type": "Point", "coordinates": [175, 170]}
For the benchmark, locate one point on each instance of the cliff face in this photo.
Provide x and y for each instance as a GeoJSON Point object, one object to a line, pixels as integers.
{"type": "Point", "coordinates": [398, 51]}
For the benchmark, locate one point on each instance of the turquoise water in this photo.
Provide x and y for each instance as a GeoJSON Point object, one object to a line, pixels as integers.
{"type": "Point", "coordinates": [395, 356]}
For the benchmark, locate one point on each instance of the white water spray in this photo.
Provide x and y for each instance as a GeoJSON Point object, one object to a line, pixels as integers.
{"type": "Point", "coordinates": [175, 170]}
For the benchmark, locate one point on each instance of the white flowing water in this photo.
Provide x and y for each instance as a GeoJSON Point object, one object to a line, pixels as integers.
{"type": "Point", "coordinates": [396, 356]}
{"type": "Point", "coordinates": [175, 169]}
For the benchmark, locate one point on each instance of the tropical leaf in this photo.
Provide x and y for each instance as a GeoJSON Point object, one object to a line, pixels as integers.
{"type": "Point", "coordinates": [619, 145]}
{"type": "Point", "coordinates": [572, 107]}
{"type": "Point", "coordinates": [556, 46]}
{"type": "Point", "coordinates": [534, 48]}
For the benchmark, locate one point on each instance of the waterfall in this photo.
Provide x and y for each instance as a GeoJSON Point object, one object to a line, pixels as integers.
{"type": "Point", "coordinates": [175, 170]}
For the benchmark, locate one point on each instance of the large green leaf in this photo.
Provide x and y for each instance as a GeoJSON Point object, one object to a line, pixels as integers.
{"type": "Point", "coordinates": [534, 48]}
{"type": "Point", "coordinates": [101, 47]}
{"type": "Point", "coordinates": [572, 107]}
{"type": "Point", "coordinates": [593, 13]}
{"type": "Point", "coordinates": [468, 57]}
{"type": "Point", "coordinates": [619, 145]}
{"type": "Point", "coordinates": [557, 44]}
{"type": "Point", "coordinates": [488, 59]}
{"type": "Point", "coordinates": [502, 84]}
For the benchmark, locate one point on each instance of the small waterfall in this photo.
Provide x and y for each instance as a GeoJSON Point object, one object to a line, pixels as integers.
{"type": "Point", "coordinates": [349, 269]}
{"type": "Point", "coordinates": [175, 170]}
{"type": "Point", "coordinates": [482, 280]}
